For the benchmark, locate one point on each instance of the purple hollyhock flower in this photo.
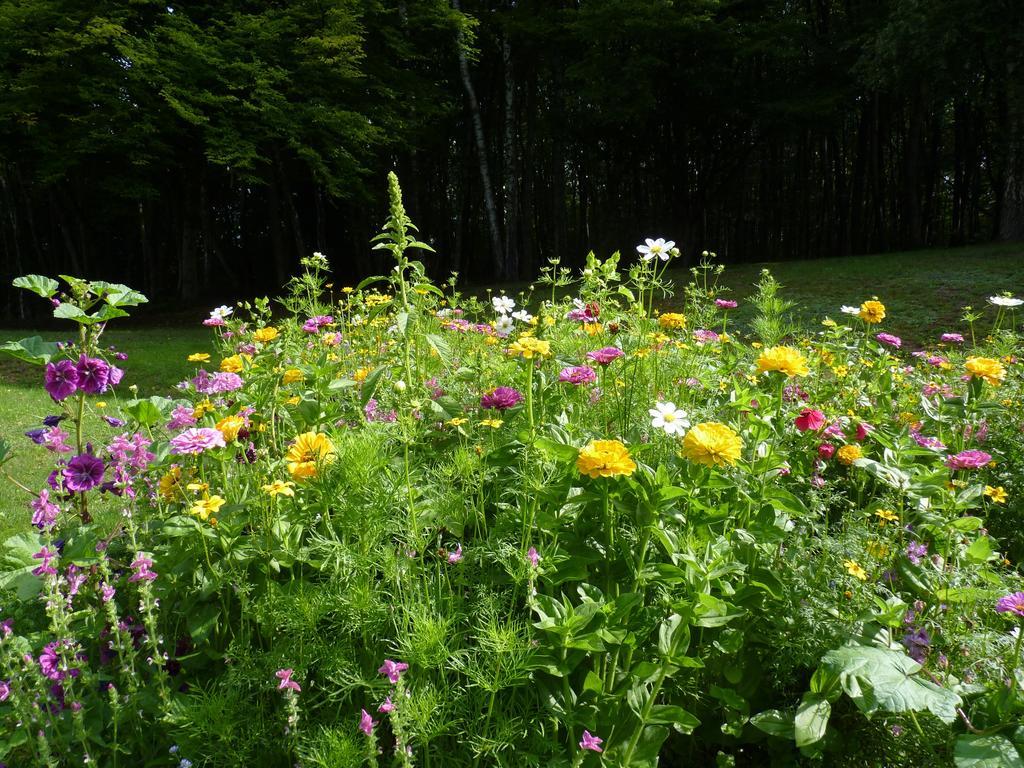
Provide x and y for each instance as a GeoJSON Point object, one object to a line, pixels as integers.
{"type": "Point", "coordinates": [195, 441]}
{"type": "Point", "coordinates": [605, 356]}
{"type": "Point", "coordinates": [591, 742]}
{"type": "Point", "coordinates": [60, 379]}
{"type": "Point", "coordinates": [501, 398]}
{"type": "Point", "coordinates": [889, 339]}
{"type": "Point", "coordinates": [114, 422]}
{"type": "Point", "coordinates": [968, 460]}
{"type": "Point", "coordinates": [44, 511]}
{"type": "Point", "coordinates": [578, 374]}
{"type": "Point", "coordinates": [83, 473]}
{"type": "Point", "coordinates": [917, 643]}
{"type": "Point", "coordinates": [393, 669]}
{"type": "Point", "coordinates": [5, 689]}
{"type": "Point", "coordinates": [36, 435]}
{"type": "Point", "coordinates": [93, 375]}
{"type": "Point", "coordinates": [366, 723]}
{"type": "Point", "coordinates": [1011, 604]}
{"type": "Point", "coordinates": [287, 684]}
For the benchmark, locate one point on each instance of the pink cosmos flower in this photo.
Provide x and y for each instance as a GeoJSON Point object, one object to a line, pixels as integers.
{"type": "Point", "coordinates": [195, 441]}
{"type": "Point", "coordinates": [578, 374]}
{"type": "Point", "coordinates": [605, 356]}
{"type": "Point", "coordinates": [591, 742]}
{"type": "Point", "coordinates": [810, 420]}
{"type": "Point", "coordinates": [1011, 604]}
{"type": "Point", "coordinates": [456, 556]}
{"type": "Point", "coordinates": [968, 460]}
{"type": "Point", "coordinates": [366, 723]}
{"type": "Point", "coordinates": [393, 669]}
{"type": "Point", "coordinates": [287, 684]}
{"type": "Point", "coordinates": [725, 304]}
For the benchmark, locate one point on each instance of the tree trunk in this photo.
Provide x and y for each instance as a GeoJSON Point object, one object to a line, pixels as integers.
{"type": "Point", "coordinates": [511, 164]}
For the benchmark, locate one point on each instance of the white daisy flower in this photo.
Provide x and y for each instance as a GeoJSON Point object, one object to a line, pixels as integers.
{"type": "Point", "coordinates": [659, 248]}
{"type": "Point", "coordinates": [667, 417]}
{"type": "Point", "coordinates": [221, 312]}
{"type": "Point", "coordinates": [503, 325]}
{"type": "Point", "coordinates": [1005, 301]}
{"type": "Point", "coordinates": [503, 304]}
{"type": "Point", "coordinates": [847, 310]}
{"type": "Point", "coordinates": [522, 316]}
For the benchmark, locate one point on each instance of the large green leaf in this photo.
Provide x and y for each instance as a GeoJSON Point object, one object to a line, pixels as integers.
{"type": "Point", "coordinates": [886, 680]}
{"type": "Point", "coordinates": [989, 751]}
{"type": "Point", "coordinates": [811, 719]}
{"type": "Point", "coordinates": [38, 284]}
{"type": "Point", "coordinates": [32, 350]}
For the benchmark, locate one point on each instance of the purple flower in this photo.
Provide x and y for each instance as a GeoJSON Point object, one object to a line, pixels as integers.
{"type": "Point", "coordinates": [107, 592]}
{"type": "Point", "coordinates": [1011, 604]}
{"type": "Point", "coordinates": [287, 684]}
{"type": "Point", "coordinates": [55, 440]}
{"type": "Point", "coordinates": [888, 338]}
{"type": "Point", "coordinates": [915, 551]}
{"type": "Point", "coordinates": [217, 383]}
{"type": "Point", "coordinates": [75, 579]}
{"type": "Point", "coordinates": [47, 555]}
{"type": "Point", "coordinates": [60, 379]}
{"type": "Point", "coordinates": [954, 338]}
{"type": "Point", "coordinates": [5, 689]}
{"type": "Point", "coordinates": [456, 556]}
{"type": "Point", "coordinates": [141, 569]}
{"type": "Point", "coordinates": [317, 322]}
{"type": "Point", "coordinates": [195, 441]}
{"type": "Point", "coordinates": [83, 473]}
{"type": "Point", "coordinates": [53, 421]}
{"type": "Point", "coordinates": [37, 436]}
{"type": "Point", "coordinates": [591, 742]}
{"type": "Point", "coordinates": [393, 669]}
{"type": "Point", "coordinates": [968, 460]}
{"type": "Point", "coordinates": [93, 375]}
{"type": "Point", "coordinates": [387, 706]}
{"type": "Point", "coordinates": [605, 356]}
{"type": "Point", "coordinates": [704, 336]}
{"type": "Point", "coordinates": [578, 374]}
{"type": "Point", "coordinates": [114, 422]}
{"type": "Point", "coordinates": [917, 643]}
{"type": "Point", "coordinates": [181, 417]}
{"type": "Point", "coordinates": [501, 398]}
{"type": "Point", "coordinates": [725, 304]}
{"type": "Point", "coordinates": [44, 511]}
{"type": "Point", "coordinates": [49, 663]}
{"type": "Point", "coordinates": [366, 723]}
{"type": "Point", "coordinates": [533, 557]}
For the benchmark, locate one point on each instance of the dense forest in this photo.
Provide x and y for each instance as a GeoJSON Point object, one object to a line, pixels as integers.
{"type": "Point", "coordinates": [195, 150]}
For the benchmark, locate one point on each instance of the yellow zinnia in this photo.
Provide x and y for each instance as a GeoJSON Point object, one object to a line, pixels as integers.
{"type": "Point", "coordinates": [872, 312]}
{"type": "Point", "coordinates": [712, 444]}
{"type": "Point", "coordinates": [265, 335]}
{"type": "Point", "coordinates": [292, 375]}
{"type": "Point", "coordinates": [234, 364]}
{"type": "Point", "coordinates": [671, 321]}
{"type": "Point", "coordinates": [308, 452]}
{"type": "Point", "coordinates": [528, 347]}
{"type": "Point", "coordinates": [279, 488]}
{"type": "Point", "coordinates": [849, 454]}
{"type": "Point", "coordinates": [604, 458]}
{"type": "Point", "coordinates": [170, 485]}
{"type": "Point", "coordinates": [992, 371]}
{"type": "Point", "coordinates": [199, 357]}
{"type": "Point", "coordinates": [230, 426]}
{"type": "Point", "coordinates": [784, 360]}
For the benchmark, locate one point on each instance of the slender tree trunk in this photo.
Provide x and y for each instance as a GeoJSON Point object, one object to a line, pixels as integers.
{"type": "Point", "coordinates": [1011, 213]}
{"type": "Point", "coordinates": [511, 163]}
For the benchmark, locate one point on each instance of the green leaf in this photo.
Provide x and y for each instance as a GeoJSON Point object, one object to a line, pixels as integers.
{"type": "Point", "coordinates": [677, 717]}
{"type": "Point", "coordinates": [886, 680]}
{"type": "Point", "coordinates": [775, 723]}
{"type": "Point", "coordinates": [148, 412]}
{"type": "Point", "coordinates": [555, 450]}
{"type": "Point", "coordinates": [117, 295]}
{"type": "Point", "coordinates": [32, 350]}
{"type": "Point", "coordinates": [68, 311]}
{"type": "Point", "coordinates": [990, 751]}
{"type": "Point", "coordinates": [38, 284]}
{"type": "Point", "coordinates": [980, 550]}
{"type": "Point", "coordinates": [369, 387]}
{"type": "Point", "coordinates": [811, 719]}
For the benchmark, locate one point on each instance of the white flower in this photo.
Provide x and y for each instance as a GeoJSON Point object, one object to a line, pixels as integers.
{"type": "Point", "coordinates": [522, 316]}
{"type": "Point", "coordinates": [656, 248]}
{"type": "Point", "coordinates": [503, 325]}
{"type": "Point", "coordinates": [1005, 301]}
{"type": "Point", "coordinates": [503, 305]}
{"type": "Point", "coordinates": [669, 418]}
{"type": "Point", "coordinates": [221, 312]}
{"type": "Point", "coordinates": [847, 310]}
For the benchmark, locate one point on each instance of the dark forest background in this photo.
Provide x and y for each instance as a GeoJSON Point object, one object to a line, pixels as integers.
{"type": "Point", "coordinates": [195, 150]}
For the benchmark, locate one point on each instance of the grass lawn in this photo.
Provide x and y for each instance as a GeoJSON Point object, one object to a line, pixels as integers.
{"type": "Point", "coordinates": [924, 292]}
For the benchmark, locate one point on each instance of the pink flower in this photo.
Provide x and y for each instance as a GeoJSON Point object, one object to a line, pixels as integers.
{"type": "Point", "coordinates": [366, 723]}
{"type": "Point", "coordinates": [605, 356]}
{"type": "Point", "coordinates": [181, 417]}
{"type": "Point", "coordinates": [703, 336]}
{"type": "Point", "coordinates": [952, 338]}
{"type": "Point", "coordinates": [393, 669]}
{"type": "Point", "coordinates": [578, 374]}
{"type": "Point", "coordinates": [533, 557]}
{"type": "Point", "coordinates": [968, 460]}
{"type": "Point", "coordinates": [140, 567]}
{"type": "Point", "coordinates": [725, 304]}
{"type": "Point", "coordinates": [591, 742]}
{"type": "Point", "coordinates": [835, 429]}
{"type": "Point", "coordinates": [195, 441]}
{"type": "Point", "coordinates": [888, 338]}
{"type": "Point", "coordinates": [387, 706]}
{"type": "Point", "coordinates": [44, 511]}
{"type": "Point", "coordinates": [1011, 604]}
{"type": "Point", "coordinates": [456, 556]}
{"type": "Point", "coordinates": [287, 684]}
{"type": "Point", "coordinates": [863, 428]}
{"type": "Point", "coordinates": [826, 450]}
{"type": "Point", "coordinates": [5, 690]}
{"type": "Point", "coordinates": [47, 555]}
{"type": "Point", "coordinates": [501, 399]}
{"type": "Point", "coordinates": [809, 420]}
{"type": "Point", "coordinates": [107, 592]}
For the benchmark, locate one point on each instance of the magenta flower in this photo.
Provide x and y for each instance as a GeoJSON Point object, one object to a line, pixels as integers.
{"type": "Point", "coordinates": [55, 439]}
{"type": "Point", "coordinates": [44, 511]}
{"type": "Point", "coordinates": [60, 379]}
{"type": "Point", "coordinates": [195, 441]}
{"type": "Point", "coordinates": [287, 684]}
{"type": "Point", "coordinates": [863, 428]}
{"type": "Point", "coordinates": [605, 356]}
{"type": "Point", "coordinates": [47, 555]}
{"type": "Point", "coordinates": [181, 417]}
{"type": "Point", "coordinates": [83, 473]}
{"type": "Point", "coordinates": [5, 689]}
{"type": "Point", "coordinates": [387, 706]}
{"type": "Point", "coordinates": [533, 557]}
{"type": "Point", "coordinates": [93, 375]}
{"type": "Point", "coordinates": [578, 374]}
{"type": "Point", "coordinates": [393, 669]}
{"type": "Point", "coordinates": [591, 742]}
{"type": "Point", "coordinates": [456, 556]}
{"type": "Point", "coordinates": [366, 723]}
{"type": "Point", "coordinates": [968, 460]}
{"type": "Point", "coordinates": [501, 398]}
{"type": "Point", "coordinates": [704, 336]}
{"type": "Point", "coordinates": [889, 339]}
{"type": "Point", "coordinates": [49, 663]}
{"type": "Point", "coordinates": [826, 450]}
{"type": "Point", "coordinates": [952, 338]}
{"type": "Point", "coordinates": [725, 304]}
{"type": "Point", "coordinates": [141, 569]}
{"type": "Point", "coordinates": [107, 592]}
{"type": "Point", "coordinates": [1011, 604]}
{"type": "Point", "coordinates": [317, 322]}
{"type": "Point", "coordinates": [809, 420]}
{"type": "Point", "coordinates": [217, 383]}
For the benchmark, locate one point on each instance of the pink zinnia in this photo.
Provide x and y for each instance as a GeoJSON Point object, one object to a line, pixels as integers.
{"type": "Point", "coordinates": [181, 417]}
{"type": "Point", "coordinates": [826, 450]}
{"type": "Point", "coordinates": [809, 420]}
{"type": "Point", "coordinates": [953, 338]}
{"type": "Point", "coordinates": [393, 669]}
{"type": "Point", "coordinates": [287, 684]}
{"type": "Point", "coordinates": [605, 356]}
{"type": "Point", "coordinates": [968, 460]}
{"type": "Point", "coordinates": [1011, 604]}
{"type": "Point", "coordinates": [591, 742]}
{"type": "Point", "coordinates": [888, 338]}
{"type": "Point", "coordinates": [196, 441]}
{"type": "Point", "coordinates": [725, 304]}
{"type": "Point", "coordinates": [578, 374]}
{"type": "Point", "coordinates": [501, 399]}
{"type": "Point", "coordinates": [703, 336]}
{"type": "Point", "coordinates": [456, 556]}
{"type": "Point", "coordinates": [863, 428]}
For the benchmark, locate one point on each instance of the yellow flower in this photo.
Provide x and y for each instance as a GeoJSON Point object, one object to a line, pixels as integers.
{"type": "Point", "coordinates": [992, 371]}
{"type": "Point", "coordinates": [849, 454]}
{"type": "Point", "coordinates": [783, 359]}
{"type": "Point", "coordinates": [872, 312]}
{"type": "Point", "coordinates": [712, 444]}
{"type": "Point", "coordinates": [886, 516]}
{"type": "Point", "coordinates": [527, 347]}
{"type": "Point", "coordinates": [361, 374]}
{"type": "Point", "coordinates": [604, 458]}
{"type": "Point", "coordinates": [199, 357]}
{"type": "Point", "coordinates": [230, 426]}
{"type": "Point", "coordinates": [279, 488]}
{"type": "Point", "coordinates": [492, 423]}
{"type": "Point", "coordinates": [672, 321]}
{"type": "Point", "coordinates": [202, 409]}
{"type": "Point", "coordinates": [855, 570]}
{"type": "Point", "coordinates": [101, 404]}
{"type": "Point", "coordinates": [998, 494]}
{"type": "Point", "coordinates": [592, 329]}
{"type": "Point", "coordinates": [308, 452]}
{"type": "Point", "coordinates": [292, 375]}
{"type": "Point", "coordinates": [265, 335]}
{"type": "Point", "coordinates": [203, 508]}
{"type": "Point", "coordinates": [294, 400]}
{"type": "Point", "coordinates": [170, 485]}
{"type": "Point", "coordinates": [234, 364]}
{"type": "Point", "coordinates": [878, 550]}
{"type": "Point", "coordinates": [456, 422]}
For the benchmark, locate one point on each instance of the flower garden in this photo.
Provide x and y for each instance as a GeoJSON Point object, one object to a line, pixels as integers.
{"type": "Point", "coordinates": [392, 525]}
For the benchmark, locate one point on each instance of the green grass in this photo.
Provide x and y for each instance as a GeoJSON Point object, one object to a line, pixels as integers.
{"type": "Point", "coordinates": [924, 292]}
